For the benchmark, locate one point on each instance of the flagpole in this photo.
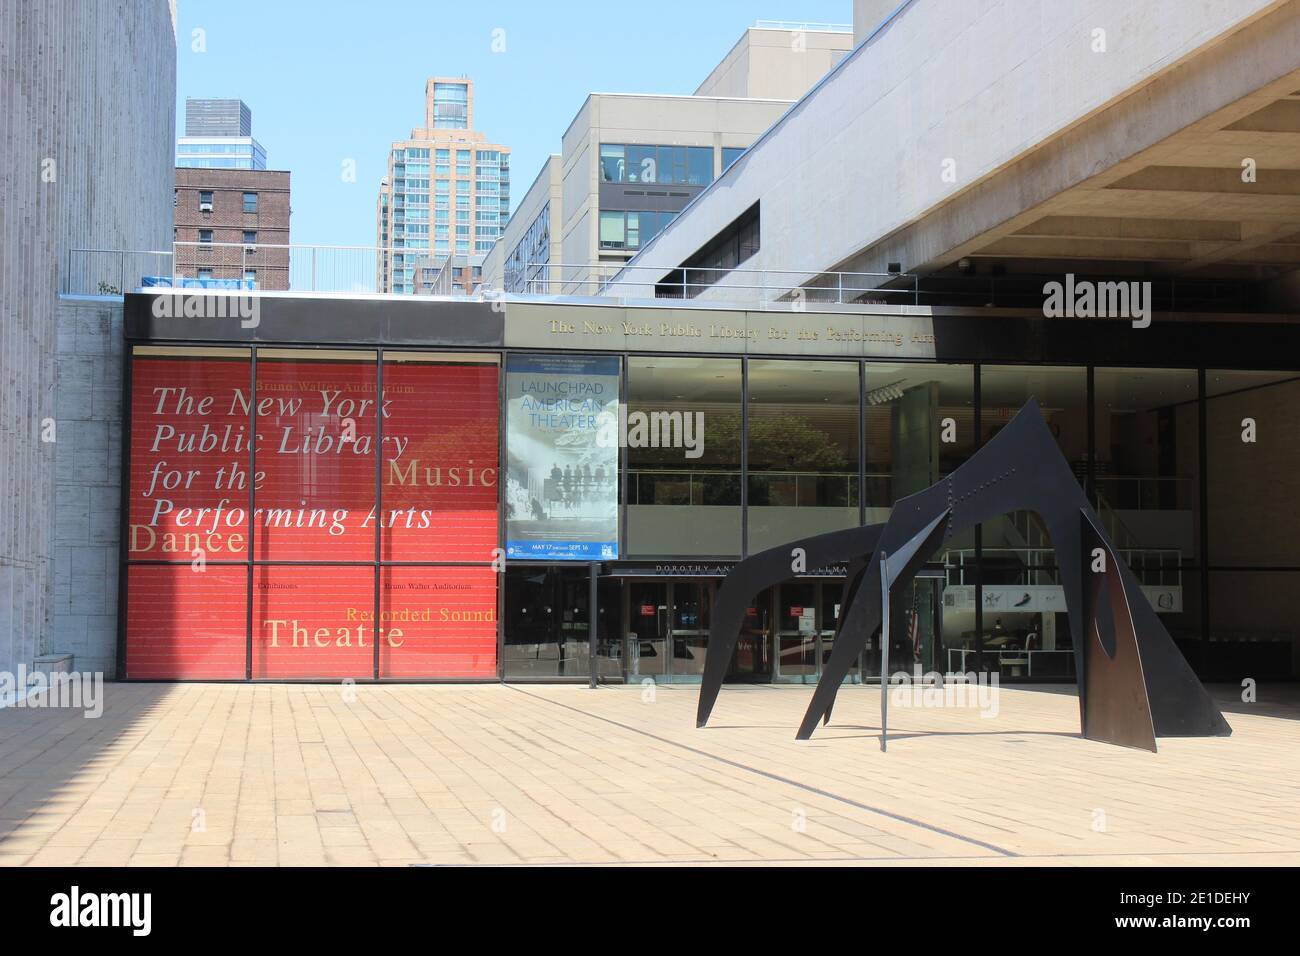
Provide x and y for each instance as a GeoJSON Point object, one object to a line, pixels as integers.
{"type": "Point", "coordinates": [884, 647]}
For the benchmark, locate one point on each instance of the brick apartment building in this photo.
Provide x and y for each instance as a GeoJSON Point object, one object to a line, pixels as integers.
{"type": "Point", "coordinates": [233, 224]}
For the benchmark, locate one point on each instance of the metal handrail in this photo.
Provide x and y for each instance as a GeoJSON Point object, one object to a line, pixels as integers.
{"type": "Point", "coordinates": [786, 285]}
{"type": "Point", "coordinates": [358, 268]}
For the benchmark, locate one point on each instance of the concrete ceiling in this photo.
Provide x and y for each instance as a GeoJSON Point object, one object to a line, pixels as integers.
{"type": "Point", "coordinates": [1150, 184]}
{"type": "Point", "coordinates": [1183, 206]}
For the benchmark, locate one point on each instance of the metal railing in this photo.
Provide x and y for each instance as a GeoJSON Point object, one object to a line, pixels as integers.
{"type": "Point", "coordinates": [804, 25]}
{"type": "Point", "coordinates": [791, 489]}
{"type": "Point", "coordinates": [1145, 492]}
{"type": "Point", "coordinates": [761, 288]}
{"type": "Point", "coordinates": [268, 266]}
{"type": "Point", "coordinates": [369, 269]}
{"type": "Point", "coordinates": [1153, 567]}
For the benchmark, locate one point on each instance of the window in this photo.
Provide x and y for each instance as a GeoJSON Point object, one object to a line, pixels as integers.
{"type": "Point", "coordinates": [205, 200]}
{"type": "Point", "coordinates": [678, 505]}
{"type": "Point", "coordinates": [730, 154]}
{"type": "Point", "coordinates": [803, 449]}
{"type": "Point", "coordinates": [205, 273]}
{"type": "Point", "coordinates": [250, 202]}
{"type": "Point", "coordinates": [728, 249]}
{"type": "Point", "coordinates": [205, 235]}
{"type": "Point", "coordinates": [250, 275]}
{"type": "Point", "coordinates": [631, 229]}
{"type": "Point", "coordinates": [673, 165]}
{"type": "Point", "coordinates": [250, 237]}
{"type": "Point", "coordinates": [450, 106]}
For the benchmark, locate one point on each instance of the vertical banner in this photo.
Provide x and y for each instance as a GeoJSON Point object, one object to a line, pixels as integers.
{"type": "Point", "coordinates": [562, 457]}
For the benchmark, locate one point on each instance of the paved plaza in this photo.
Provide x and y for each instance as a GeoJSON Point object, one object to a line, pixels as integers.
{"type": "Point", "coordinates": [218, 774]}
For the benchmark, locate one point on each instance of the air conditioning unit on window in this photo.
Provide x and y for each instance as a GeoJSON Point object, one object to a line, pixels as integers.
{"type": "Point", "coordinates": [205, 207]}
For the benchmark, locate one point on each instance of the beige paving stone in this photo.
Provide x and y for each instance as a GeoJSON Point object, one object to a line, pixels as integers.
{"type": "Point", "coordinates": [489, 774]}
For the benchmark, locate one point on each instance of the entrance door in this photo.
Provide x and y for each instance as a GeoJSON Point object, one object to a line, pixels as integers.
{"type": "Point", "coordinates": [692, 602]}
{"type": "Point", "coordinates": [648, 649]}
{"type": "Point", "coordinates": [831, 594]}
{"type": "Point", "coordinates": [752, 662]}
{"type": "Point", "coordinates": [796, 635]}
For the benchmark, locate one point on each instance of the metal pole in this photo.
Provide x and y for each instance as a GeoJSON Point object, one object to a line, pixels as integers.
{"type": "Point", "coordinates": [591, 625]}
{"type": "Point", "coordinates": [884, 648]}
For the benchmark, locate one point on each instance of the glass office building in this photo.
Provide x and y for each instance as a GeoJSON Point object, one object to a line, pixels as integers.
{"type": "Point", "coordinates": [425, 490]}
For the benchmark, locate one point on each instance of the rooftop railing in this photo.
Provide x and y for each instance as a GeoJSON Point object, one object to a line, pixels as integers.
{"type": "Point", "coordinates": [269, 266]}
{"type": "Point", "coordinates": [370, 269]}
{"type": "Point", "coordinates": [752, 288]}
{"type": "Point", "coordinates": [803, 25]}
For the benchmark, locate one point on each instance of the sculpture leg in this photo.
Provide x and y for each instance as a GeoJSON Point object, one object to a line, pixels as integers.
{"type": "Point", "coordinates": [854, 574]}
{"type": "Point", "coordinates": [863, 617]}
{"type": "Point", "coordinates": [751, 576]}
{"type": "Point", "coordinates": [1116, 709]}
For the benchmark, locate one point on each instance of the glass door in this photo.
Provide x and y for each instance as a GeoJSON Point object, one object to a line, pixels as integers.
{"type": "Point", "coordinates": [752, 662]}
{"type": "Point", "coordinates": [691, 601]}
{"type": "Point", "coordinates": [647, 630]}
{"type": "Point", "coordinates": [796, 635]}
{"type": "Point", "coordinates": [830, 594]}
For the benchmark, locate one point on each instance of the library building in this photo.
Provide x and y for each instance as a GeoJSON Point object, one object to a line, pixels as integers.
{"type": "Point", "coordinates": [324, 487]}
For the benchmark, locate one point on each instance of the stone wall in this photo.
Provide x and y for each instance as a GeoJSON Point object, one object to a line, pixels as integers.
{"type": "Point", "coordinates": [87, 481]}
{"type": "Point", "coordinates": [87, 131]}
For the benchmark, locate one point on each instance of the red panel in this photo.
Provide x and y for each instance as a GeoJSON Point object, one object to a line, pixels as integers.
{"type": "Point", "coordinates": [438, 622]}
{"type": "Point", "coordinates": [316, 435]}
{"type": "Point", "coordinates": [313, 622]}
{"type": "Point", "coordinates": [183, 624]}
{"type": "Point", "coordinates": [189, 459]}
{"type": "Point", "coordinates": [440, 462]}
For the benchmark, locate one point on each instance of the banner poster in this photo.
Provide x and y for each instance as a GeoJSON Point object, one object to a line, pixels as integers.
{"type": "Point", "coordinates": [562, 457]}
{"type": "Point", "coordinates": [311, 438]}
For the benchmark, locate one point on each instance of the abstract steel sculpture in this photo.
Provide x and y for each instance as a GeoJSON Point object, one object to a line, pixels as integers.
{"type": "Point", "coordinates": [1134, 684]}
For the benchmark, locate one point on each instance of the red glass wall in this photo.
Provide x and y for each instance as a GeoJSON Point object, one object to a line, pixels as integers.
{"type": "Point", "coordinates": [370, 530]}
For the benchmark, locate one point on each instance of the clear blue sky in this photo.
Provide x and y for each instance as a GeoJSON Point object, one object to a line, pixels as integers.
{"type": "Point", "coordinates": [333, 80]}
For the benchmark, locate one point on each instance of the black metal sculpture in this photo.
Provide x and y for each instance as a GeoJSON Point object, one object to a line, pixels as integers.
{"type": "Point", "coordinates": [1134, 685]}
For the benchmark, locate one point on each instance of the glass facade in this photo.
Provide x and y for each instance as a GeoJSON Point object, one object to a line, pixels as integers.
{"type": "Point", "coordinates": [677, 505]}
{"type": "Point", "coordinates": [630, 229]}
{"type": "Point", "coordinates": [450, 106]}
{"type": "Point", "coordinates": [353, 518]}
{"type": "Point", "coordinates": [804, 436]}
{"type": "Point", "coordinates": [1252, 524]}
{"type": "Point", "coordinates": [672, 165]}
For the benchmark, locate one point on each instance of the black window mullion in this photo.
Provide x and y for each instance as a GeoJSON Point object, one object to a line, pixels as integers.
{"type": "Point", "coordinates": [378, 502]}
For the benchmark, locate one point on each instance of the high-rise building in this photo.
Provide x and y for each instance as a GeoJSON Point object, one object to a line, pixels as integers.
{"type": "Point", "coordinates": [447, 191]}
{"type": "Point", "coordinates": [219, 135]}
